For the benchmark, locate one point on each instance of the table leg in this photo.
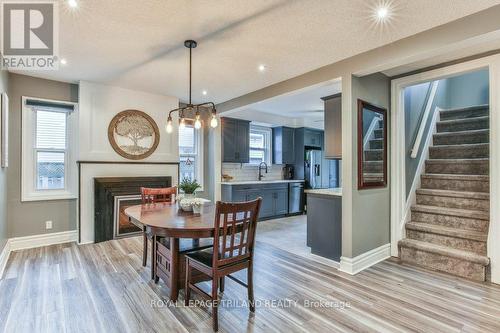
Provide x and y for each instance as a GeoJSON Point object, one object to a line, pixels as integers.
{"type": "Point", "coordinates": [174, 269]}
{"type": "Point", "coordinates": [153, 257]}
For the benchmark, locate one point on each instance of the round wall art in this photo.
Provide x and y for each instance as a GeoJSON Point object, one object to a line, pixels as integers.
{"type": "Point", "coordinates": [133, 134]}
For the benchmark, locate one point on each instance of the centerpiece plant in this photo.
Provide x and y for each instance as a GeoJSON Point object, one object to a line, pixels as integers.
{"type": "Point", "coordinates": [188, 186]}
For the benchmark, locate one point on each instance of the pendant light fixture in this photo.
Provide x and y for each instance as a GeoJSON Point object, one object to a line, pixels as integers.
{"type": "Point", "coordinates": [197, 108]}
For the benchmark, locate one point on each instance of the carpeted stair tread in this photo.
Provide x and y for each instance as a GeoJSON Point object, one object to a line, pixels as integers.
{"type": "Point", "coordinates": [445, 251]}
{"type": "Point", "coordinates": [464, 151]}
{"type": "Point", "coordinates": [456, 177]}
{"type": "Point", "coordinates": [455, 194]}
{"type": "Point", "coordinates": [447, 231]}
{"type": "Point", "coordinates": [461, 137]}
{"type": "Point", "coordinates": [467, 112]}
{"type": "Point", "coordinates": [467, 213]}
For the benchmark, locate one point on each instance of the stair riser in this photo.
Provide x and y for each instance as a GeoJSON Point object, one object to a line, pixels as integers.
{"type": "Point", "coordinates": [465, 168]}
{"type": "Point", "coordinates": [473, 124]}
{"type": "Point", "coordinates": [452, 202]}
{"type": "Point", "coordinates": [442, 152]}
{"type": "Point", "coordinates": [461, 139]}
{"type": "Point", "coordinates": [451, 221]}
{"type": "Point", "coordinates": [379, 133]}
{"type": "Point", "coordinates": [462, 114]}
{"type": "Point", "coordinates": [374, 144]}
{"type": "Point", "coordinates": [373, 167]}
{"type": "Point", "coordinates": [456, 185]}
{"type": "Point", "coordinates": [453, 242]}
{"type": "Point", "coordinates": [458, 267]}
{"type": "Point", "coordinates": [374, 155]}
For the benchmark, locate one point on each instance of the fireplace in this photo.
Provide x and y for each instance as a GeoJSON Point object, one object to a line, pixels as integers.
{"type": "Point", "coordinates": [112, 195]}
{"type": "Point", "coordinates": [121, 223]}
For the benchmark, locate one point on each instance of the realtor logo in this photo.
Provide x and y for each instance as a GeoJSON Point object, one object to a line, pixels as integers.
{"type": "Point", "coordinates": [29, 35]}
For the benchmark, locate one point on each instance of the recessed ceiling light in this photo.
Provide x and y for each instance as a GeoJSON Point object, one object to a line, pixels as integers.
{"type": "Point", "coordinates": [64, 61]}
{"type": "Point", "coordinates": [262, 68]}
{"type": "Point", "coordinates": [72, 3]}
{"type": "Point", "coordinates": [204, 92]}
{"type": "Point", "coordinates": [382, 12]}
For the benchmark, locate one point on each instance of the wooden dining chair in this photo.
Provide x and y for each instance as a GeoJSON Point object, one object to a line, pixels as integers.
{"type": "Point", "coordinates": [149, 196]}
{"type": "Point", "coordinates": [234, 239]}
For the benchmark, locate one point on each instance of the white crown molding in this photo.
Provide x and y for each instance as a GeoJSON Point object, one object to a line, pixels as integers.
{"type": "Point", "coordinates": [363, 261]}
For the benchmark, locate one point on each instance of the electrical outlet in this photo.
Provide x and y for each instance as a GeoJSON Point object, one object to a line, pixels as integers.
{"type": "Point", "coordinates": [48, 225]}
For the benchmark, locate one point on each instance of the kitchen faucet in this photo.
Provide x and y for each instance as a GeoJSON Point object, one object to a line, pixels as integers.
{"type": "Point", "coordinates": [260, 169]}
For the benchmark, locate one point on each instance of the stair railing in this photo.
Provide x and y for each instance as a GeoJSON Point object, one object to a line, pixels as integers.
{"type": "Point", "coordinates": [423, 121]}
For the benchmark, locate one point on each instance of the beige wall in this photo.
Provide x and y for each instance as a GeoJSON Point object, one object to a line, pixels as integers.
{"type": "Point", "coordinates": [28, 218]}
{"type": "Point", "coordinates": [4, 75]}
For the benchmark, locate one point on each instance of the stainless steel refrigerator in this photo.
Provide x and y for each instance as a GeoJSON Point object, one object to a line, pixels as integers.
{"type": "Point", "coordinates": [312, 171]}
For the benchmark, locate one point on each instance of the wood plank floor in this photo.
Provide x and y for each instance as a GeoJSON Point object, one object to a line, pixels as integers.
{"type": "Point", "coordinates": [103, 288]}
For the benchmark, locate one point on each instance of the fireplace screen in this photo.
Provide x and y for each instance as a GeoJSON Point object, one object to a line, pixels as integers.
{"type": "Point", "coordinates": [122, 226]}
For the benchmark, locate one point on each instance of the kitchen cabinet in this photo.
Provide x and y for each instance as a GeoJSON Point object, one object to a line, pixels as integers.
{"type": "Point", "coordinates": [275, 197]}
{"type": "Point", "coordinates": [333, 126]}
{"type": "Point", "coordinates": [313, 138]}
{"type": "Point", "coordinates": [235, 140]}
{"type": "Point", "coordinates": [283, 145]}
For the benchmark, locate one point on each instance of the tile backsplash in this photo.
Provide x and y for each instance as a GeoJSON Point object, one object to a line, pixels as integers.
{"type": "Point", "coordinates": [243, 172]}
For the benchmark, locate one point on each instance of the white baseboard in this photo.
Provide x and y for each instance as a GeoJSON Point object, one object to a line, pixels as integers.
{"type": "Point", "coordinates": [4, 257]}
{"type": "Point", "coordinates": [325, 261]}
{"type": "Point", "coordinates": [363, 261]}
{"type": "Point", "coordinates": [29, 242]}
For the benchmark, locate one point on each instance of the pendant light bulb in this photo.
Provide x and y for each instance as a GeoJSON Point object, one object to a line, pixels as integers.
{"type": "Point", "coordinates": [197, 122]}
{"type": "Point", "coordinates": [182, 125]}
{"type": "Point", "coordinates": [168, 126]}
{"type": "Point", "coordinates": [213, 121]}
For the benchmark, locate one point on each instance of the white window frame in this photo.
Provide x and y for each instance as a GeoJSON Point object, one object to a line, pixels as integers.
{"type": "Point", "coordinates": [268, 134]}
{"type": "Point", "coordinates": [29, 191]}
{"type": "Point", "coordinates": [198, 133]}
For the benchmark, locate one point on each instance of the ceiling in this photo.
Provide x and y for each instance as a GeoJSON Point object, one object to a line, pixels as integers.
{"type": "Point", "coordinates": [306, 102]}
{"type": "Point", "coordinates": [139, 44]}
{"type": "Point", "coordinates": [299, 108]}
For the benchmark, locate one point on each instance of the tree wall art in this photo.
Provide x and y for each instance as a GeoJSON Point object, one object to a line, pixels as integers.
{"type": "Point", "coordinates": [133, 134]}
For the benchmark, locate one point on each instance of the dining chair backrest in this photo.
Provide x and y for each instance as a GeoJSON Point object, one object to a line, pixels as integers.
{"type": "Point", "coordinates": [234, 235]}
{"type": "Point", "coordinates": [154, 195]}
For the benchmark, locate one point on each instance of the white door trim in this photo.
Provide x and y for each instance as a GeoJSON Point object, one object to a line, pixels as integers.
{"type": "Point", "coordinates": [398, 152]}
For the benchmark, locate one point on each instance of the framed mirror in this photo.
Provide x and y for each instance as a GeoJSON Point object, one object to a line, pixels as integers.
{"type": "Point", "coordinates": [372, 146]}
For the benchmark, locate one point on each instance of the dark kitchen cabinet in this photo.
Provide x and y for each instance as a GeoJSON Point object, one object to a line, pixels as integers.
{"type": "Point", "coordinates": [281, 201]}
{"type": "Point", "coordinates": [274, 197]}
{"type": "Point", "coordinates": [313, 138]}
{"type": "Point", "coordinates": [235, 140]}
{"type": "Point", "coordinates": [283, 145]}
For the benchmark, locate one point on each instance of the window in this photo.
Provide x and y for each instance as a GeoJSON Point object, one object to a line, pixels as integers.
{"type": "Point", "coordinates": [260, 144]}
{"type": "Point", "coordinates": [48, 150]}
{"type": "Point", "coordinates": [190, 153]}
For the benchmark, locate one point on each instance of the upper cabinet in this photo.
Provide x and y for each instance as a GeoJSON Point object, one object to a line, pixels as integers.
{"type": "Point", "coordinates": [313, 138]}
{"type": "Point", "coordinates": [283, 145]}
{"type": "Point", "coordinates": [235, 140]}
{"type": "Point", "coordinates": [333, 126]}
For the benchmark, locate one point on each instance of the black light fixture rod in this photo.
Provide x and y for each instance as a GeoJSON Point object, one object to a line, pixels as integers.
{"type": "Point", "coordinates": [190, 65]}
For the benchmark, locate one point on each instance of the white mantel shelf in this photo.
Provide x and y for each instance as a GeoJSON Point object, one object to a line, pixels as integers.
{"type": "Point", "coordinates": [256, 182]}
{"type": "Point", "coordinates": [337, 192]}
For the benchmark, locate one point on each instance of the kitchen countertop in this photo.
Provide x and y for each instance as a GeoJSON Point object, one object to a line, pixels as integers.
{"type": "Point", "coordinates": [256, 182]}
{"type": "Point", "coordinates": [326, 191]}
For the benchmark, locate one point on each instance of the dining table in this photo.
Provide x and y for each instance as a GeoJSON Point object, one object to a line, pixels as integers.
{"type": "Point", "coordinates": [167, 220]}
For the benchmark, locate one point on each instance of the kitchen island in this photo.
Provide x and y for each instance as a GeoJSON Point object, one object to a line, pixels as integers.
{"type": "Point", "coordinates": [324, 222]}
{"type": "Point", "coordinates": [279, 197]}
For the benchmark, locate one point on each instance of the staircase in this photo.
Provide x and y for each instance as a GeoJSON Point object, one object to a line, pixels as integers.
{"type": "Point", "coordinates": [449, 224]}
{"type": "Point", "coordinates": [373, 164]}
